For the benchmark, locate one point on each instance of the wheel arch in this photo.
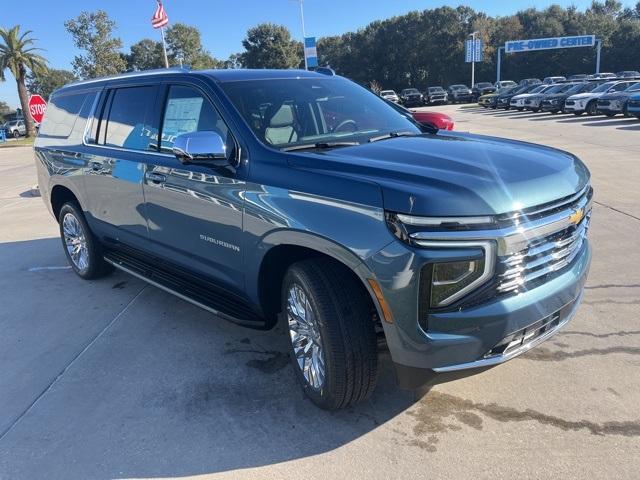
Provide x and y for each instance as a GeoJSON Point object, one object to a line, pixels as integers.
{"type": "Point", "coordinates": [301, 246]}
{"type": "Point", "coordinates": [61, 194]}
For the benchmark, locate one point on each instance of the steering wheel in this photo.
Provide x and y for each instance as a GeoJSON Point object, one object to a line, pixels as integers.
{"type": "Point", "coordinates": [344, 123]}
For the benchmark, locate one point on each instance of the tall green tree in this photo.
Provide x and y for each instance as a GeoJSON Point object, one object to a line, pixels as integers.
{"type": "Point", "coordinates": [270, 46]}
{"type": "Point", "coordinates": [93, 33]}
{"type": "Point", "coordinates": [146, 54]}
{"type": "Point", "coordinates": [4, 110]}
{"type": "Point", "coordinates": [18, 55]}
{"type": "Point", "coordinates": [184, 44]}
{"type": "Point", "coordinates": [45, 82]}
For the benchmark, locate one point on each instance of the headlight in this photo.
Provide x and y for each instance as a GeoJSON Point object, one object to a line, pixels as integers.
{"type": "Point", "coordinates": [451, 280]}
{"type": "Point", "coordinates": [458, 267]}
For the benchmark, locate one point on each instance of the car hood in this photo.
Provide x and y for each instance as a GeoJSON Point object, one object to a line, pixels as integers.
{"type": "Point", "coordinates": [555, 95]}
{"type": "Point", "coordinates": [454, 173]}
{"type": "Point", "coordinates": [522, 95]}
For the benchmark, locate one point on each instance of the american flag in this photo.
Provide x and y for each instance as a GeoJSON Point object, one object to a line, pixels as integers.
{"type": "Point", "coordinates": [160, 18]}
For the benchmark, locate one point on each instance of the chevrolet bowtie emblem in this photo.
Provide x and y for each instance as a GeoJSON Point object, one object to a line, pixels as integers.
{"type": "Point", "coordinates": [576, 216]}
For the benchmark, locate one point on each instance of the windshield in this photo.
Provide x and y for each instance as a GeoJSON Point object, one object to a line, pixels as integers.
{"type": "Point", "coordinates": [634, 87]}
{"type": "Point", "coordinates": [387, 92]}
{"type": "Point", "coordinates": [436, 89]}
{"type": "Point", "coordinates": [538, 89]}
{"type": "Point", "coordinates": [581, 87]}
{"type": "Point", "coordinates": [286, 112]}
{"type": "Point", "coordinates": [483, 85]}
{"type": "Point", "coordinates": [410, 90]}
{"type": "Point", "coordinates": [604, 87]}
{"type": "Point", "coordinates": [459, 87]}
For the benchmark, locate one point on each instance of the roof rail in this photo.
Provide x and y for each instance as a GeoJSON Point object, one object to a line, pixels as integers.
{"type": "Point", "coordinates": [136, 73]}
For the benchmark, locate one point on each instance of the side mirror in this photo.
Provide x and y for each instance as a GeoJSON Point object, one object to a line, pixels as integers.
{"type": "Point", "coordinates": [201, 147]}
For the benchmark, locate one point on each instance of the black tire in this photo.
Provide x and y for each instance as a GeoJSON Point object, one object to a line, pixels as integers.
{"type": "Point", "coordinates": [535, 110]}
{"type": "Point", "coordinates": [95, 266]}
{"type": "Point", "coordinates": [591, 108]}
{"type": "Point", "coordinates": [625, 111]}
{"type": "Point", "coordinates": [610, 115]}
{"type": "Point", "coordinates": [520, 109]}
{"type": "Point", "coordinates": [577, 114]}
{"type": "Point", "coordinates": [16, 134]}
{"type": "Point", "coordinates": [346, 330]}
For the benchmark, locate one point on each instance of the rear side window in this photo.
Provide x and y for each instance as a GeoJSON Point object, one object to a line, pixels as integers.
{"type": "Point", "coordinates": [62, 113]}
{"type": "Point", "coordinates": [128, 119]}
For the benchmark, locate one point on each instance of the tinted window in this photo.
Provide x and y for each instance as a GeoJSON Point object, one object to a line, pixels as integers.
{"type": "Point", "coordinates": [634, 87]}
{"type": "Point", "coordinates": [61, 114]}
{"type": "Point", "coordinates": [285, 112]}
{"type": "Point", "coordinates": [620, 86]}
{"type": "Point", "coordinates": [186, 111]}
{"type": "Point", "coordinates": [128, 125]}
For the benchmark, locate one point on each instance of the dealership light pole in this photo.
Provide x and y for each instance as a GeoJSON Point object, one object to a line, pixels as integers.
{"type": "Point", "coordinates": [304, 35]}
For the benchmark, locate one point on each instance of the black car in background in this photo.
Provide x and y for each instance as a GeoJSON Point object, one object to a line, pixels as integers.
{"type": "Point", "coordinates": [534, 102]}
{"type": "Point", "coordinates": [614, 103]}
{"type": "Point", "coordinates": [459, 93]}
{"type": "Point", "coordinates": [435, 95]}
{"type": "Point", "coordinates": [554, 102]}
{"type": "Point", "coordinates": [504, 99]}
{"type": "Point", "coordinates": [411, 97]}
{"type": "Point", "coordinates": [482, 88]}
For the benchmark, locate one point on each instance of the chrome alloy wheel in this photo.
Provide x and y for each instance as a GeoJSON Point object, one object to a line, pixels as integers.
{"type": "Point", "coordinates": [305, 337]}
{"type": "Point", "coordinates": [76, 242]}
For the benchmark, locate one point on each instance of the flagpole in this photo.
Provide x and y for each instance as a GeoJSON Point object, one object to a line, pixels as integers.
{"type": "Point", "coordinates": [164, 48]}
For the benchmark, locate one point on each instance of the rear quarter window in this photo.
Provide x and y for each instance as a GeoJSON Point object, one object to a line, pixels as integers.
{"type": "Point", "coordinates": [62, 114]}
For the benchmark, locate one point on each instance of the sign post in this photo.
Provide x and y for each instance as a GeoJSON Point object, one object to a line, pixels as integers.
{"type": "Point", "coordinates": [37, 107]}
{"type": "Point", "coordinates": [473, 54]}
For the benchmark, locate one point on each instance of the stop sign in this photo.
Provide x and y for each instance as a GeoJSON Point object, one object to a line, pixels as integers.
{"type": "Point", "coordinates": [37, 107]}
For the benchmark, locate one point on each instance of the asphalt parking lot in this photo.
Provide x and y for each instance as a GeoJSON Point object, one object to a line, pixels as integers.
{"type": "Point", "coordinates": [116, 379]}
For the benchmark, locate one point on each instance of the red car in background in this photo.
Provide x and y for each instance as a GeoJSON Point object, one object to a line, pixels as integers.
{"type": "Point", "coordinates": [441, 121]}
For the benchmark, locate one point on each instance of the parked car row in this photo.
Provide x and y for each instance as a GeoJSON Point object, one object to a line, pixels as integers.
{"type": "Point", "coordinates": [602, 95]}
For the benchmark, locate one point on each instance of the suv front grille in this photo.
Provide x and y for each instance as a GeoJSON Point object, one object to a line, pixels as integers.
{"type": "Point", "coordinates": [542, 257]}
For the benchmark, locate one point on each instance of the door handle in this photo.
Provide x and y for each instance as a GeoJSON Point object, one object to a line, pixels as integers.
{"type": "Point", "coordinates": [155, 177]}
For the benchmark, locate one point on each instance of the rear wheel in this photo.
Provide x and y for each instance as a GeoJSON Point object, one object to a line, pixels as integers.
{"type": "Point", "coordinates": [331, 332]}
{"type": "Point", "coordinates": [82, 249]}
{"type": "Point", "coordinates": [16, 134]}
{"type": "Point", "coordinates": [520, 109]}
{"type": "Point", "coordinates": [610, 115]}
{"type": "Point", "coordinates": [577, 114]}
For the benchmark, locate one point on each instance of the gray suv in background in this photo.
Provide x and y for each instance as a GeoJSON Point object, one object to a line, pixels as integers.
{"type": "Point", "coordinates": [301, 198]}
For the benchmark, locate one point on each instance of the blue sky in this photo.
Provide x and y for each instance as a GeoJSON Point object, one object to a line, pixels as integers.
{"type": "Point", "coordinates": [223, 24]}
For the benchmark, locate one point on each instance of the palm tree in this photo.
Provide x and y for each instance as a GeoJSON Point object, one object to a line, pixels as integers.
{"type": "Point", "coordinates": [18, 55]}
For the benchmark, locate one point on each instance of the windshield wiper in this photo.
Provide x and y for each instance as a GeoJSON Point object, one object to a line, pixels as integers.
{"type": "Point", "coordinates": [319, 145]}
{"type": "Point", "coordinates": [392, 135]}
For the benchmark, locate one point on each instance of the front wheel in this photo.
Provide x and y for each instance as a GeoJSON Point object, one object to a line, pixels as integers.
{"type": "Point", "coordinates": [16, 134]}
{"type": "Point", "coordinates": [592, 109]}
{"type": "Point", "coordinates": [331, 332]}
{"type": "Point", "coordinates": [82, 249]}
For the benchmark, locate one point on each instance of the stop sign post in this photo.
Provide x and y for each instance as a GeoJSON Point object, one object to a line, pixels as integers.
{"type": "Point", "coordinates": [37, 107]}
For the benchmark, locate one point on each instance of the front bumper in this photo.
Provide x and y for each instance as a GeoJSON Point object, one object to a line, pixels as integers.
{"type": "Point", "coordinates": [551, 107]}
{"type": "Point", "coordinates": [465, 341]}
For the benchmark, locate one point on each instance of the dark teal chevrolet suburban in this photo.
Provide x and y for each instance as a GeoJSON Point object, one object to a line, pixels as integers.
{"type": "Point", "coordinates": [299, 197]}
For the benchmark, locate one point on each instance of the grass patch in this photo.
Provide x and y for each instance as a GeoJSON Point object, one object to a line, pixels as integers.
{"type": "Point", "coordinates": [21, 142]}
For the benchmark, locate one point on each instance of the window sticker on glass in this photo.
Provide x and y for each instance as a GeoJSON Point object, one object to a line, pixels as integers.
{"type": "Point", "coordinates": [182, 116]}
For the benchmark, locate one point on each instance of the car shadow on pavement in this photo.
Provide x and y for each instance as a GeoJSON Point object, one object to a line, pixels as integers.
{"type": "Point", "coordinates": [612, 122]}
{"type": "Point", "coordinates": [154, 387]}
{"type": "Point", "coordinates": [633, 127]}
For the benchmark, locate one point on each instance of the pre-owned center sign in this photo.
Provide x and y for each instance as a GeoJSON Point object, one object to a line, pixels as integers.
{"type": "Point", "coordinates": [515, 46]}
